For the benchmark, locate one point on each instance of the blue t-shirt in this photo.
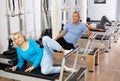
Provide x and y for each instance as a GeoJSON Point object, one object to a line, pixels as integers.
{"type": "Point", "coordinates": [74, 32]}
{"type": "Point", "coordinates": [33, 54]}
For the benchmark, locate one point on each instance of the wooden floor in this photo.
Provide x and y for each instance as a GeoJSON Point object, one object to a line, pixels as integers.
{"type": "Point", "coordinates": [109, 67]}
{"type": "Point", "coordinates": [6, 79]}
{"type": "Point", "coordinates": [107, 70]}
{"type": "Point", "coordinates": [109, 64]}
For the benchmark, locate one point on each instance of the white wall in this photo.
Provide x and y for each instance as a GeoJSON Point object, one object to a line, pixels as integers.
{"type": "Point", "coordinates": [55, 12]}
{"type": "Point", "coordinates": [4, 27]}
{"type": "Point", "coordinates": [96, 11]}
{"type": "Point", "coordinates": [70, 7]}
{"type": "Point", "coordinates": [118, 10]}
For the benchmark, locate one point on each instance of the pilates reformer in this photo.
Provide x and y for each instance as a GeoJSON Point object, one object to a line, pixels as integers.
{"type": "Point", "coordinates": [116, 28]}
{"type": "Point", "coordinates": [46, 25]}
{"type": "Point", "coordinates": [111, 30]}
{"type": "Point", "coordinates": [36, 75]}
{"type": "Point", "coordinates": [9, 57]}
{"type": "Point", "coordinates": [89, 54]}
{"type": "Point", "coordinates": [103, 37]}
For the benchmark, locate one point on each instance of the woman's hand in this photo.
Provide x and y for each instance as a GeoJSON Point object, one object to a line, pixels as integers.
{"type": "Point", "coordinates": [14, 68]}
{"type": "Point", "coordinates": [29, 69]}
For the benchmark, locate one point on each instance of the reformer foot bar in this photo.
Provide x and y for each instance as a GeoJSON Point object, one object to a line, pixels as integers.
{"type": "Point", "coordinates": [92, 58]}
{"type": "Point", "coordinates": [70, 77]}
{"type": "Point", "coordinates": [90, 55]}
{"type": "Point", "coordinates": [36, 75]}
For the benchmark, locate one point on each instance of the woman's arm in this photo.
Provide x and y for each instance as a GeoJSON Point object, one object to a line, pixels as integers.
{"type": "Point", "coordinates": [20, 59]}
{"type": "Point", "coordinates": [39, 52]}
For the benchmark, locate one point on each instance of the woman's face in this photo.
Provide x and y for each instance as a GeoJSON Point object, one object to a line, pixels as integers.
{"type": "Point", "coordinates": [18, 39]}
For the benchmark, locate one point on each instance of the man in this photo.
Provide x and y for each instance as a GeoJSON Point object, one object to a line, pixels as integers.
{"type": "Point", "coordinates": [72, 32]}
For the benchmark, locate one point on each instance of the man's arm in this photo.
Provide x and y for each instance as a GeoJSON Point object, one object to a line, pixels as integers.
{"type": "Point", "coordinates": [61, 34]}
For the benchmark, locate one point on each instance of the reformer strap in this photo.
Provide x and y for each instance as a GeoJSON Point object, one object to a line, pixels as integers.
{"type": "Point", "coordinates": [13, 5]}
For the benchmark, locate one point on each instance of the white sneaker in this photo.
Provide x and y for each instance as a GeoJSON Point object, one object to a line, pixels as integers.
{"type": "Point", "coordinates": [67, 51]}
{"type": "Point", "coordinates": [69, 69]}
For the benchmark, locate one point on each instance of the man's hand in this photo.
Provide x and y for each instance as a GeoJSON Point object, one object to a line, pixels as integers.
{"type": "Point", "coordinates": [29, 69]}
{"type": "Point", "coordinates": [91, 36]}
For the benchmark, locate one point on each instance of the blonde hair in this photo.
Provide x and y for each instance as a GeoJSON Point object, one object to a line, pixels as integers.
{"type": "Point", "coordinates": [18, 33]}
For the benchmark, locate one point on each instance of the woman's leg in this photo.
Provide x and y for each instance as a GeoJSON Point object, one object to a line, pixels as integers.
{"type": "Point", "coordinates": [52, 44]}
{"type": "Point", "coordinates": [47, 61]}
{"type": "Point", "coordinates": [103, 21]}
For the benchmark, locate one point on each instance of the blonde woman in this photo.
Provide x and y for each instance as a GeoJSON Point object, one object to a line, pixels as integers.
{"type": "Point", "coordinates": [43, 57]}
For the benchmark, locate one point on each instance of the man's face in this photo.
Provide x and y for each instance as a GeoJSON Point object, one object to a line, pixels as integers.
{"type": "Point", "coordinates": [75, 18]}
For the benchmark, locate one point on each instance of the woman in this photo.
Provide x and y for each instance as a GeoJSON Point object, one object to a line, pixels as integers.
{"type": "Point", "coordinates": [90, 27]}
{"type": "Point", "coordinates": [43, 57]}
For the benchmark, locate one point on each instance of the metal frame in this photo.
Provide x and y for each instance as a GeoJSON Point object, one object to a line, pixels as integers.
{"type": "Point", "coordinates": [64, 59]}
{"type": "Point", "coordinates": [30, 78]}
{"type": "Point", "coordinates": [46, 20]}
{"type": "Point", "coordinates": [11, 13]}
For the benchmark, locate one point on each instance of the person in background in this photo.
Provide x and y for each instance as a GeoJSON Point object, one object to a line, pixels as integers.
{"type": "Point", "coordinates": [101, 25]}
{"type": "Point", "coordinates": [94, 28]}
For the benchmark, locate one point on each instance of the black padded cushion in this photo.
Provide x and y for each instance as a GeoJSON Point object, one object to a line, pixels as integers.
{"type": "Point", "coordinates": [77, 74]}
{"type": "Point", "coordinates": [98, 37]}
{"type": "Point", "coordinates": [97, 31]}
{"type": "Point", "coordinates": [91, 53]}
{"type": "Point", "coordinates": [10, 51]}
{"type": "Point", "coordinates": [13, 58]}
{"type": "Point", "coordinates": [3, 66]}
{"type": "Point", "coordinates": [8, 56]}
{"type": "Point", "coordinates": [35, 73]}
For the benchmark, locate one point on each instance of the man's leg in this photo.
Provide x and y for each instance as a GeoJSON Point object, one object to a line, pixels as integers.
{"type": "Point", "coordinates": [64, 44]}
